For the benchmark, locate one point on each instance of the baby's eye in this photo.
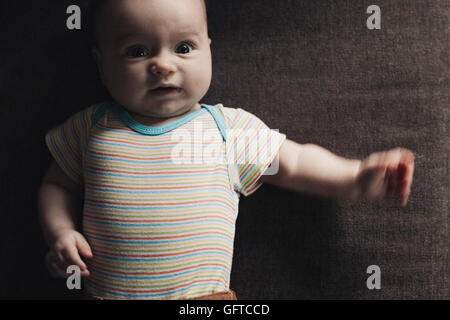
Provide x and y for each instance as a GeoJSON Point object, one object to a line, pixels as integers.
{"type": "Point", "coordinates": [184, 48]}
{"type": "Point", "coordinates": [137, 51]}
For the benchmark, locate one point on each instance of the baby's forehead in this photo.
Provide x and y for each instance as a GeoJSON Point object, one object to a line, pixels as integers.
{"type": "Point", "coordinates": [133, 16]}
{"type": "Point", "coordinates": [113, 9]}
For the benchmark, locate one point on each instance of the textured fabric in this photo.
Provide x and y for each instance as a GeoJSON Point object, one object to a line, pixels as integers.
{"type": "Point", "coordinates": [160, 210]}
{"type": "Point", "coordinates": [225, 295]}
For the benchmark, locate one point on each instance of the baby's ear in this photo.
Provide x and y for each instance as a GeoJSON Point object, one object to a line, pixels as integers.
{"type": "Point", "coordinates": [98, 60]}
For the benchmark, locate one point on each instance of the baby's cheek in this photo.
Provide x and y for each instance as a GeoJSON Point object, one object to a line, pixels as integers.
{"type": "Point", "coordinates": [128, 84]}
{"type": "Point", "coordinates": [201, 80]}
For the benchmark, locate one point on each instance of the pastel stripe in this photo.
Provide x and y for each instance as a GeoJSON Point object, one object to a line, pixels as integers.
{"type": "Point", "coordinates": [160, 221]}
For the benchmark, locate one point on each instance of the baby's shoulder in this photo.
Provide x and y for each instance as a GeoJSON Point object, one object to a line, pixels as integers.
{"type": "Point", "coordinates": [83, 119]}
{"type": "Point", "coordinates": [89, 111]}
{"type": "Point", "coordinates": [234, 116]}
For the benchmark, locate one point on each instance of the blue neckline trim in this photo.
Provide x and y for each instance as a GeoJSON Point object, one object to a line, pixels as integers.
{"type": "Point", "coordinates": [218, 117]}
{"type": "Point", "coordinates": [154, 131]}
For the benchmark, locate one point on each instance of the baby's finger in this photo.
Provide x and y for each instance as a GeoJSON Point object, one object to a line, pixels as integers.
{"type": "Point", "coordinates": [406, 168]}
{"type": "Point", "coordinates": [390, 177]}
{"type": "Point", "coordinates": [63, 263]}
{"type": "Point", "coordinates": [73, 258]}
{"type": "Point", "coordinates": [401, 179]}
{"type": "Point", "coordinates": [85, 273]}
{"type": "Point", "coordinates": [83, 247]}
{"type": "Point", "coordinates": [407, 156]}
{"type": "Point", "coordinates": [63, 268]}
{"type": "Point", "coordinates": [381, 161]}
{"type": "Point", "coordinates": [408, 182]}
{"type": "Point", "coordinates": [57, 265]}
{"type": "Point", "coordinates": [376, 161]}
{"type": "Point", "coordinates": [393, 157]}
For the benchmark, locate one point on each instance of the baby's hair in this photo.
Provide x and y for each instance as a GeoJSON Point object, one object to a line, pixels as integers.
{"type": "Point", "coordinates": [95, 7]}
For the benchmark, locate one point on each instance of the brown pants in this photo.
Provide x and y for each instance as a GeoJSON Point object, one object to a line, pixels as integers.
{"type": "Point", "coordinates": [224, 295]}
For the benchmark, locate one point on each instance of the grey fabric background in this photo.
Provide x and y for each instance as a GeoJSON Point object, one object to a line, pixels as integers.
{"type": "Point", "coordinates": [308, 68]}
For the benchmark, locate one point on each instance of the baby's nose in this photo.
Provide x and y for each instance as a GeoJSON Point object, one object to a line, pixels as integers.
{"type": "Point", "coordinates": [162, 68]}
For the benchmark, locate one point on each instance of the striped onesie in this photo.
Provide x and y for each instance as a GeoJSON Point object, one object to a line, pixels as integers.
{"type": "Point", "coordinates": [160, 203]}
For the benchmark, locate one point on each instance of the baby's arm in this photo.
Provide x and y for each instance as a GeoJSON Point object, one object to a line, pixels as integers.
{"type": "Point", "coordinates": [312, 169]}
{"type": "Point", "coordinates": [60, 202]}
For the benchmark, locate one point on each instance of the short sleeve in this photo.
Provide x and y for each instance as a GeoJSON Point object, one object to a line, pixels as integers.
{"type": "Point", "coordinates": [67, 141]}
{"type": "Point", "coordinates": [251, 148]}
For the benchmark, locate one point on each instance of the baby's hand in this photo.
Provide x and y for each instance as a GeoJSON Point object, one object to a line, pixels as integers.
{"type": "Point", "coordinates": [386, 175]}
{"type": "Point", "coordinates": [65, 252]}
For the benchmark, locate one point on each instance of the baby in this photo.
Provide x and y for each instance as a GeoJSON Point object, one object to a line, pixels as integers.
{"type": "Point", "coordinates": [157, 223]}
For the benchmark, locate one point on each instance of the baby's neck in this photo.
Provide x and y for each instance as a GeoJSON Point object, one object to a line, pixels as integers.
{"type": "Point", "coordinates": [158, 122]}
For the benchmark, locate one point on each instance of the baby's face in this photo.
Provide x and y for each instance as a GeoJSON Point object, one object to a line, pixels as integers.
{"type": "Point", "coordinates": [146, 44]}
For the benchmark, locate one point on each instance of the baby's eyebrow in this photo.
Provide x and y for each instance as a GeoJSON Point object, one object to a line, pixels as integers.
{"type": "Point", "coordinates": [124, 36]}
{"type": "Point", "coordinates": [183, 33]}
{"type": "Point", "coordinates": [190, 32]}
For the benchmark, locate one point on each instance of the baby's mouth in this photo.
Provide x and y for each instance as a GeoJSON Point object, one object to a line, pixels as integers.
{"type": "Point", "coordinates": [165, 90]}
